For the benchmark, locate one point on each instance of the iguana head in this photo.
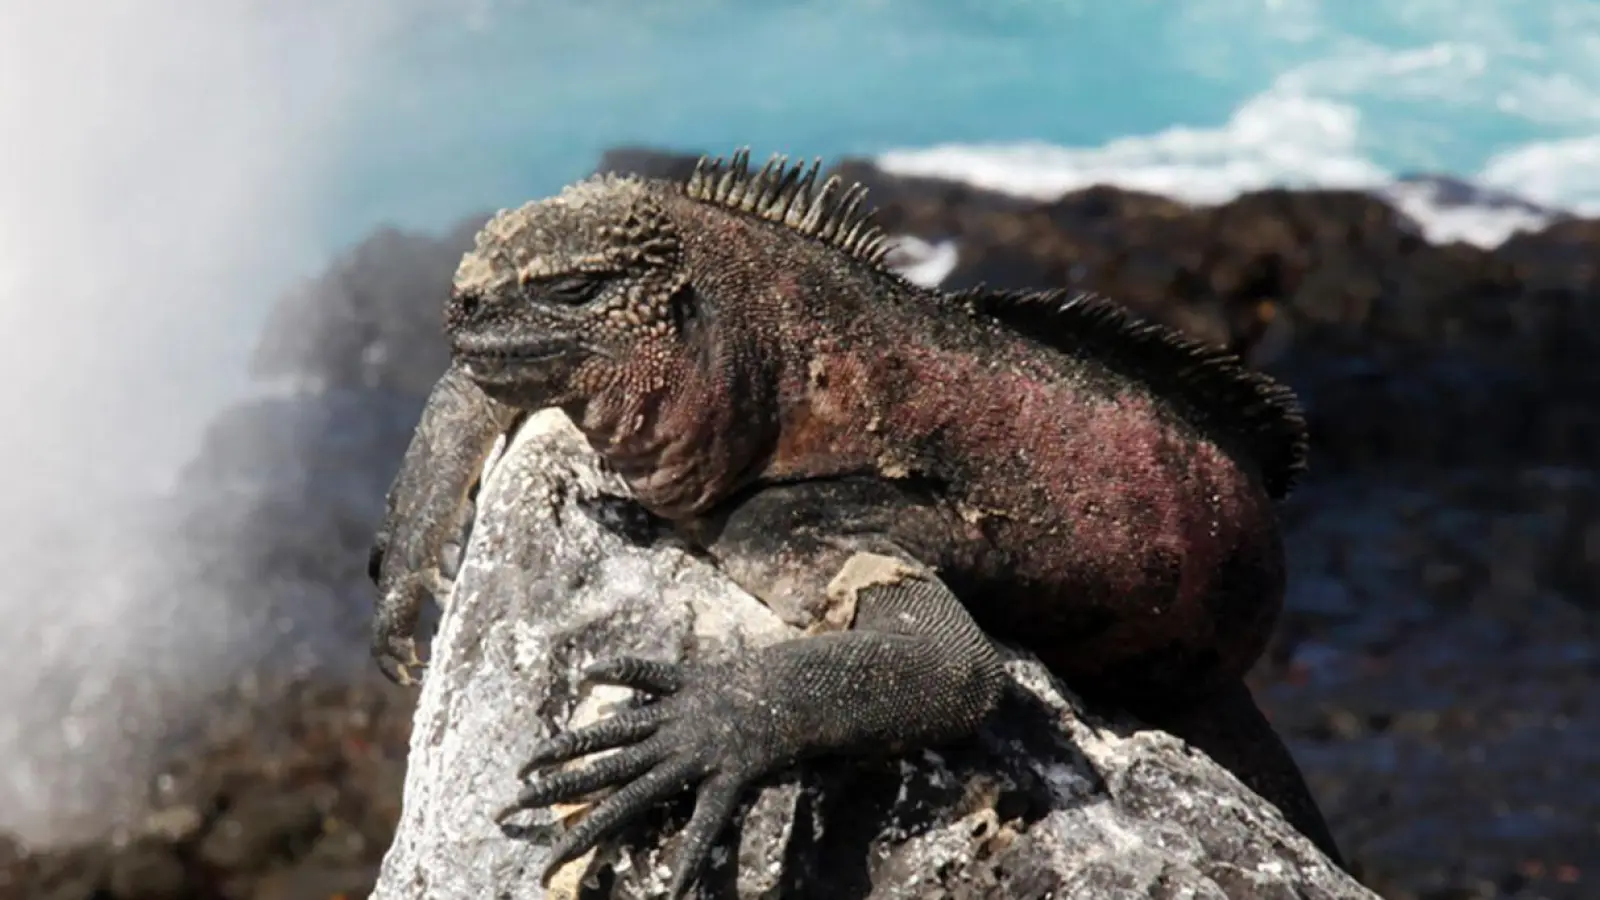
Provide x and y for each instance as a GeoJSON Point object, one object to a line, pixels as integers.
{"type": "Point", "coordinates": [565, 286]}
{"type": "Point", "coordinates": [591, 288]}
{"type": "Point", "coordinates": [653, 312]}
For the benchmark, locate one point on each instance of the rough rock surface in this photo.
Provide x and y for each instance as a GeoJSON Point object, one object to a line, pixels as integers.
{"type": "Point", "coordinates": [1048, 802]}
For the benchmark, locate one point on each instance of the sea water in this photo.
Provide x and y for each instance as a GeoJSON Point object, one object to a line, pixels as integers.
{"type": "Point", "coordinates": [1199, 99]}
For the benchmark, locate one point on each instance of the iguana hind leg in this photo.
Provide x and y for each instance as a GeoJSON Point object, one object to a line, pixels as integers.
{"type": "Point", "coordinates": [425, 508]}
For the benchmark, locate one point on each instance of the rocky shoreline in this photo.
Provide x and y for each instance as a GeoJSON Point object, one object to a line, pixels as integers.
{"type": "Point", "coordinates": [288, 793]}
{"type": "Point", "coordinates": [1435, 667]}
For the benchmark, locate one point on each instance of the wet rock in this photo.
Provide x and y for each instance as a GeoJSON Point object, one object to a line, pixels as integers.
{"type": "Point", "coordinates": [147, 870]}
{"type": "Point", "coordinates": [1050, 800]}
{"type": "Point", "coordinates": [262, 828]}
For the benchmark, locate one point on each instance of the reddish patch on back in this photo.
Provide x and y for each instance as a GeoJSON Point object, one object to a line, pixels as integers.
{"type": "Point", "coordinates": [1111, 536]}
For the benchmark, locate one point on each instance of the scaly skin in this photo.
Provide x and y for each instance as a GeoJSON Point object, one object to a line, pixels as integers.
{"type": "Point", "coordinates": [426, 509]}
{"type": "Point", "coordinates": [1097, 490]}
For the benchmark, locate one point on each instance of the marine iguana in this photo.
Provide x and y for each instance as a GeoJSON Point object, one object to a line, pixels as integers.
{"type": "Point", "coordinates": [946, 468]}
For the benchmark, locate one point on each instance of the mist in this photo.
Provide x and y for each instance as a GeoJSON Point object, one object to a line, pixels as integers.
{"type": "Point", "coordinates": [160, 169]}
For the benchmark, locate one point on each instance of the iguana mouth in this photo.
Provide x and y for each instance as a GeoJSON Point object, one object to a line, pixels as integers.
{"type": "Point", "coordinates": [501, 353]}
{"type": "Point", "coordinates": [508, 364]}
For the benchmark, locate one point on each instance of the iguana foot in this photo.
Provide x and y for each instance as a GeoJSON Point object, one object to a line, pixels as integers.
{"type": "Point", "coordinates": [394, 646]}
{"type": "Point", "coordinates": [708, 727]}
{"type": "Point", "coordinates": [914, 671]}
{"type": "Point", "coordinates": [397, 658]}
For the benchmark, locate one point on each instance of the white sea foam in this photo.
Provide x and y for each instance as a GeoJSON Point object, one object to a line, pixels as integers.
{"type": "Point", "coordinates": [1446, 219]}
{"type": "Point", "coordinates": [921, 262]}
{"type": "Point", "coordinates": [1561, 173]}
{"type": "Point", "coordinates": [1402, 88]}
{"type": "Point", "coordinates": [1278, 139]}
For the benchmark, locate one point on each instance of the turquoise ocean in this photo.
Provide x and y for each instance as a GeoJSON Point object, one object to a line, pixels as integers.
{"type": "Point", "coordinates": [1199, 98]}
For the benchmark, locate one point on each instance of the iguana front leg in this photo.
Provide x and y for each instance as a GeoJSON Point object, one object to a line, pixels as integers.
{"type": "Point", "coordinates": [915, 670]}
{"type": "Point", "coordinates": [425, 510]}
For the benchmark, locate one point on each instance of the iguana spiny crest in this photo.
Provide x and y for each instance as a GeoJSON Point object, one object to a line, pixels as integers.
{"type": "Point", "coordinates": [563, 294]}
{"type": "Point", "coordinates": [597, 272]}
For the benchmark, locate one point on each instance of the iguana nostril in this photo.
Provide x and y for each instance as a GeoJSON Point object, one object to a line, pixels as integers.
{"type": "Point", "coordinates": [462, 308]}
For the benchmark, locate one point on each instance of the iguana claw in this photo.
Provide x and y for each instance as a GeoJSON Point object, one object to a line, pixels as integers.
{"type": "Point", "coordinates": [394, 645]}
{"type": "Point", "coordinates": [397, 658]}
{"type": "Point", "coordinates": [677, 743]}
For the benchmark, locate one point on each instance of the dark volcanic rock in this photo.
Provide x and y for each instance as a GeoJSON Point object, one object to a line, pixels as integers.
{"type": "Point", "coordinates": [1434, 674]}
{"type": "Point", "coordinates": [290, 792]}
{"type": "Point", "coordinates": [373, 319]}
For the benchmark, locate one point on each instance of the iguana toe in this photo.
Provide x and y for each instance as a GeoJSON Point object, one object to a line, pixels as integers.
{"type": "Point", "coordinates": [705, 729]}
{"type": "Point", "coordinates": [396, 654]}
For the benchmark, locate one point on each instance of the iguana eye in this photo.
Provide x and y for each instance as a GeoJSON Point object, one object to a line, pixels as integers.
{"type": "Point", "coordinates": [571, 289]}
